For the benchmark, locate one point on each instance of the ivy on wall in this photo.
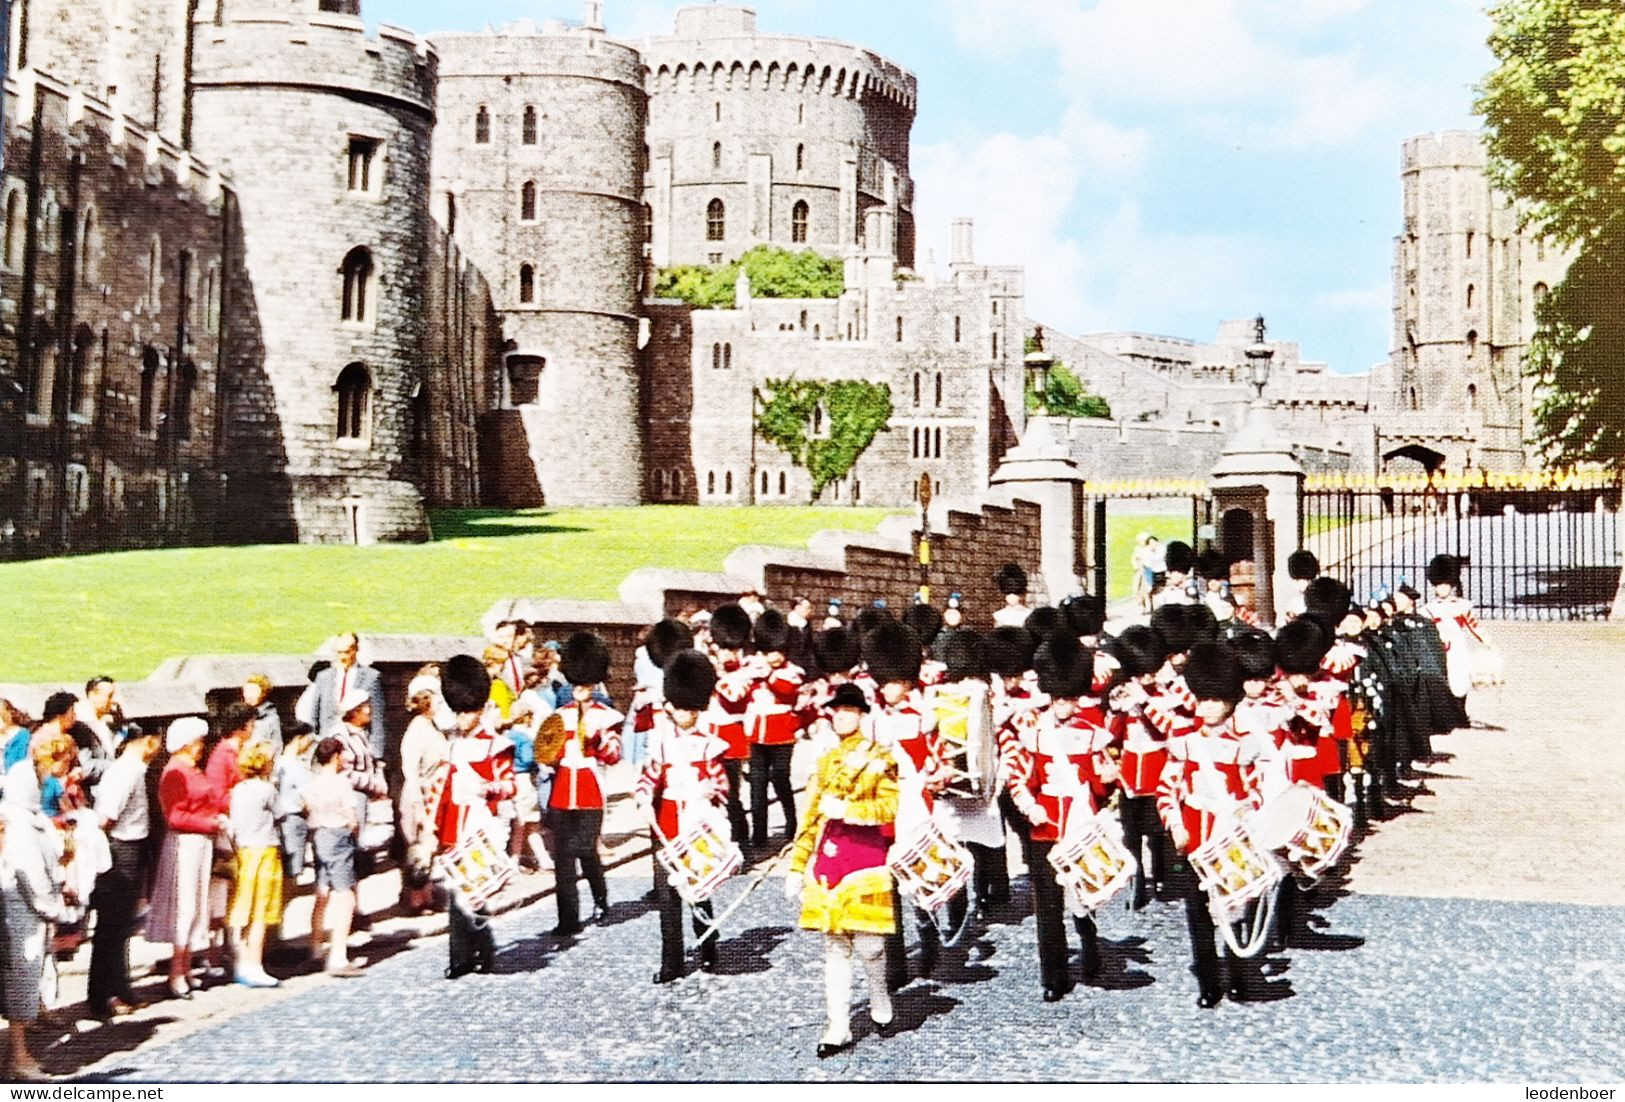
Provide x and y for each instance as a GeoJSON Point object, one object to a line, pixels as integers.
{"type": "Point", "coordinates": [774, 273]}
{"type": "Point", "coordinates": [823, 427]}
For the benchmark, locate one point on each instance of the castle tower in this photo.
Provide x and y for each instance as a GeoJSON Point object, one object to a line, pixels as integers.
{"type": "Point", "coordinates": [329, 132]}
{"type": "Point", "coordinates": [539, 151]}
{"type": "Point", "coordinates": [759, 138]}
{"type": "Point", "coordinates": [1465, 286]}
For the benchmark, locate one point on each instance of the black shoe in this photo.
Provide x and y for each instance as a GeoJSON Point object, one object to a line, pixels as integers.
{"type": "Point", "coordinates": [600, 911]}
{"type": "Point", "coordinates": [888, 1028]}
{"type": "Point", "coordinates": [825, 1051]}
{"type": "Point", "coordinates": [664, 976]}
{"type": "Point", "coordinates": [708, 956]}
{"type": "Point", "coordinates": [1141, 900]}
{"type": "Point", "coordinates": [484, 966]}
{"type": "Point", "coordinates": [1054, 994]}
{"type": "Point", "coordinates": [1207, 1000]}
{"type": "Point", "coordinates": [1237, 991]}
{"type": "Point", "coordinates": [928, 960]}
{"type": "Point", "coordinates": [563, 930]}
{"type": "Point", "coordinates": [1091, 962]}
{"type": "Point", "coordinates": [454, 973]}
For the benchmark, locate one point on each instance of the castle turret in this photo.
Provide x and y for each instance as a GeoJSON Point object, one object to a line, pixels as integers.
{"type": "Point", "coordinates": [330, 132]}
{"type": "Point", "coordinates": [540, 153]}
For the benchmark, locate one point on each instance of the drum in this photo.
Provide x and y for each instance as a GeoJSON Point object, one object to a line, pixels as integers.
{"type": "Point", "coordinates": [1235, 871]}
{"type": "Point", "coordinates": [699, 859]}
{"type": "Point", "coordinates": [930, 868]}
{"type": "Point", "coordinates": [1091, 865]}
{"type": "Point", "coordinates": [475, 870]}
{"type": "Point", "coordinates": [1307, 826]}
{"type": "Point", "coordinates": [966, 738]}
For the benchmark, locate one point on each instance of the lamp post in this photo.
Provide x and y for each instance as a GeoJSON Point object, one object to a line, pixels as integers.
{"type": "Point", "coordinates": [1259, 355]}
{"type": "Point", "coordinates": [1039, 364]}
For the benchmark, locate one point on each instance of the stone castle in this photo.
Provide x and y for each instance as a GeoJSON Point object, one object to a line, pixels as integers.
{"type": "Point", "coordinates": [268, 277]}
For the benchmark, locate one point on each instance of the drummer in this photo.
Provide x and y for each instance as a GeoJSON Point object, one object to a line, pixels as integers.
{"type": "Point", "coordinates": [1210, 779]}
{"type": "Point", "coordinates": [974, 820]}
{"type": "Point", "coordinates": [682, 784]}
{"type": "Point", "coordinates": [1060, 775]}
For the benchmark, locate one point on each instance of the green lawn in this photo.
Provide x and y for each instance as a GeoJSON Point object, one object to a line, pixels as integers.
{"type": "Point", "coordinates": [122, 614]}
{"type": "Point", "coordinates": [1121, 530]}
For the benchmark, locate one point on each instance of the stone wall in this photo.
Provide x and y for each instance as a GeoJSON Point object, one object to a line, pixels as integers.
{"type": "Point", "coordinates": [116, 249]}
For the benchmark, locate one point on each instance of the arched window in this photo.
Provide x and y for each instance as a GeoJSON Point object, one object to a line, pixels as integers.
{"type": "Point", "coordinates": [727, 357]}
{"type": "Point", "coordinates": [916, 388]}
{"type": "Point", "coordinates": [939, 388]}
{"type": "Point", "coordinates": [716, 357]}
{"type": "Point", "coordinates": [914, 443]}
{"type": "Point", "coordinates": [715, 220]}
{"type": "Point", "coordinates": [357, 285]}
{"type": "Point", "coordinates": [716, 154]}
{"type": "Point", "coordinates": [783, 484]}
{"type": "Point", "coordinates": [1472, 342]}
{"type": "Point", "coordinates": [14, 219]}
{"type": "Point", "coordinates": [354, 388]}
{"type": "Point", "coordinates": [801, 158]}
{"type": "Point", "coordinates": [1470, 236]}
{"type": "Point", "coordinates": [728, 482]}
{"type": "Point", "coordinates": [527, 284]}
{"type": "Point", "coordinates": [79, 370]}
{"type": "Point", "coordinates": [482, 126]}
{"type": "Point", "coordinates": [798, 222]}
{"type": "Point", "coordinates": [936, 443]}
{"type": "Point", "coordinates": [185, 384]}
{"type": "Point", "coordinates": [38, 375]}
{"type": "Point", "coordinates": [1539, 292]}
{"type": "Point", "coordinates": [1471, 294]}
{"type": "Point", "coordinates": [764, 483]}
{"type": "Point", "coordinates": [89, 254]}
{"type": "Point", "coordinates": [149, 388]}
{"type": "Point", "coordinates": [1472, 396]}
{"type": "Point", "coordinates": [528, 129]}
{"type": "Point", "coordinates": [710, 482]}
{"type": "Point", "coordinates": [527, 202]}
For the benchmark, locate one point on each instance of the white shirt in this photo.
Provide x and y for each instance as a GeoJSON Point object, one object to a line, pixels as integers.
{"type": "Point", "coordinates": [122, 799]}
{"type": "Point", "coordinates": [253, 825]}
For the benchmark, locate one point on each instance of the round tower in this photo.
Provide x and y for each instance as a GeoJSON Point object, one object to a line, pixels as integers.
{"type": "Point", "coordinates": [328, 131]}
{"type": "Point", "coordinates": [539, 152]}
{"type": "Point", "coordinates": [757, 138]}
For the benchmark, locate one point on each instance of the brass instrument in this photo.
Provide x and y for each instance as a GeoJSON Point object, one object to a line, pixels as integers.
{"type": "Point", "coordinates": [550, 740]}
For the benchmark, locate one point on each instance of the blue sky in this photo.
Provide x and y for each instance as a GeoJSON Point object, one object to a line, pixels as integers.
{"type": "Point", "coordinates": [1156, 165]}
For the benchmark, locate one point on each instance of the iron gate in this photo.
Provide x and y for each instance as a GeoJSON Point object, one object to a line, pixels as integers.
{"type": "Point", "coordinates": [1103, 569]}
{"type": "Point", "coordinates": [1535, 546]}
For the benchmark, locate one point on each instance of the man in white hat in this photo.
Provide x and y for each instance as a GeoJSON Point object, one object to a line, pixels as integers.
{"type": "Point", "coordinates": [339, 681]}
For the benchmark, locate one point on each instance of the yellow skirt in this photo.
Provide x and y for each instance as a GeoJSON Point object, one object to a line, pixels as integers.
{"type": "Point", "coordinates": [257, 896]}
{"type": "Point", "coordinates": [860, 904]}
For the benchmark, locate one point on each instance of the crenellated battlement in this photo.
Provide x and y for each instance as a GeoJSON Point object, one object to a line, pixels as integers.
{"type": "Point", "coordinates": [317, 50]}
{"type": "Point", "coordinates": [539, 51]}
{"type": "Point", "coordinates": [798, 66]}
{"type": "Point", "coordinates": [1444, 149]}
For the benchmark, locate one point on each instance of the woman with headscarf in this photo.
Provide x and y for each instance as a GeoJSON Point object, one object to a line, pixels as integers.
{"type": "Point", "coordinates": [179, 912]}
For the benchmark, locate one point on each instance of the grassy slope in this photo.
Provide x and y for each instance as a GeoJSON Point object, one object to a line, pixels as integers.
{"type": "Point", "coordinates": [122, 614]}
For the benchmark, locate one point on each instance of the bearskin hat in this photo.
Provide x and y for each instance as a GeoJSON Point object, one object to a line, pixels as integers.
{"type": "Point", "coordinates": [1327, 600]}
{"type": "Point", "coordinates": [730, 627]}
{"type": "Point", "coordinates": [1139, 650]}
{"type": "Point", "coordinates": [690, 680]}
{"type": "Point", "coordinates": [1212, 566]}
{"type": "Point", "coordinates": [1010, 651]}
{"type": "Point", "coordinates": [666, 639]}
{"type": "Point", "coordinates": [892, 652]}
{"type": "Point", "coordinates": [584, 659]}
{"type": "Point", "coordinates": [1179, 557]}
{"type": "Point", "coordinates": [1011, 580]}
{"type": "Point", "coordinates": [965, 657]}
{"type": "Point", "coordinates": [871, 618]}
{"type": "Point", "coordinates": [923, 620]}
{"type": "Point", "coordinates": [1175, 627]}
{"type": "Point", "coordinates": [1445, 570]}
{"type": "Point", "coordinates": [1255, 651]}
{"type": "Point", "coordinates": [1300, 645]}
{"type": "Point", "coordinates": [1084, 615]}
{"type": "Point", "coordinates": [772, 632]}
{"type": "Point", "coordinates": [1066, 668]}
{"type": "Point", "coordinates": [464, 684]}
{"type": "Point", "coordinates": [1302, 566]}
{"type": "Point", "coordinates": [1204, 625]}
{"type": "Point", "coordinates": [836, 650]}
{"type": "Point", "coordinates": [1212, 673]}
{"type": "Point", "coordinates": [1044, 622]}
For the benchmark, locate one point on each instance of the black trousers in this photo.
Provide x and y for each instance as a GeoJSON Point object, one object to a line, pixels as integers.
{"type": "Point", "coordinates": [1049, 907]}
{"type": "Point", "coordinates": [575, 850]}
{"type": "Point", "coordinates": [1142, 829]}
{"type": "Point", "coordinates": [114, 900]}
{"type": "Point", "coordinates": [472, 943]}
{"type": "Point", "coordinates": [1205, 954]}
{"type": "Point", "coordinates": [670, 906]}
{"type": "Point", "coordinates": [770, 763]}
{"type": "Point", "coordinates": [736, 809]}
{"type": "Point", "coordinates": [992, 873]}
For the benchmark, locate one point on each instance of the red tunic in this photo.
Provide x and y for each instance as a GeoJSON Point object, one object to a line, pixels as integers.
{"type": "Point", "coordinates": [731, 701]}
{"type": "Point", "coordinates": [1056, 767]}
{"type": "Point", "coordinates": [488, 757]}
{"type": "Point", "coordinates": [684, 773]}
{"type": "Point", "coordinates": [593, 744]}
{"type": "Point", "coordinates": [773, 715]}
{"type": "Point", "coordinates": [1210, 778]}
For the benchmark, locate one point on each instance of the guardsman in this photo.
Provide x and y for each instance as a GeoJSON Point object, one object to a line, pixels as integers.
{"type": "Point", "coordinates": [736, 679]}
{"type": "Point", "coordinates": [774, 722]}
{"type": "Point", "coordinates": [1141, 653]}
{"type": "Point", "coordinates": [1011, 581]}
{"type": "Point", "coordinates": [575, 807]}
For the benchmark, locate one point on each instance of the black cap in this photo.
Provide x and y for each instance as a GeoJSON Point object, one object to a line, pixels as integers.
{"type": "Point", "coordinates": [1010, 651]}
{"type": "Point", "coordinates": [965, 657]}
{"type": "Point", "coordinates": [848, 695]}
{"type": "Point", "coordinates": [1302, 566]}
{"type": "Point", "coordinates": [892, 652]}
{"type": "Point", "coordinates": [1011, 580]}
{"type": "Point", "coordinates": [1139, 650]}
{"type": "Point", "coordinates": [1300, 645]}
{"type": "Point", "coordinates": [772, 632]}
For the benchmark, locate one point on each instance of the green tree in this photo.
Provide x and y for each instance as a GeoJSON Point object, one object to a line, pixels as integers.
{"type": "Point", "coordinates": [1065, 396]}
{"type": "Point", "coordinates": [774, 273]}
{"type": "Point", "coordinates": [1555, 110]}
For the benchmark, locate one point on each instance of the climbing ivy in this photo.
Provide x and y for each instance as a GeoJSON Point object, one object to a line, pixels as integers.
{"type": "Point", "coordinates": [774, 273]}
{"type": "Point", "coordinates": [852, 413]}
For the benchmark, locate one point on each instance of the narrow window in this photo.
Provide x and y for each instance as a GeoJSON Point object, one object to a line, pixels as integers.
{"type": "Point", "coordinates": [155, 264]}
{"type": "Point", "coordinates": [1470, 236]}
{"type": "Point", "coordinates": [857, 490]}
{"type": "Point", "coordinates": [89, 262]}
{"type": "Point", "coordinates": [1472, 342]}
{"type": "Point", "coordinates": [728, 482]}
{"type": "Point", "coordinates": [798, 224]}
{"type": "Point", "coordinates": [995, 346]}
{"type": "Point", "coordinates": [357, 284]}
{"type": "Point", "coordinates": [185, 384]}
{"type": "Point", "coordinates": [1415, 405]}
{"type": "Point", "coordinates": [79, 370]}
{"type": "Point", "coordinates": [801, 158]}
{"type": "Point", "coordinates": [527, 284]}
{"type": "Point", "coordinates": [1471, 293]}
{"type": "Point", "coordinates": [727, 357]}
{"type": "Point", "coordinates": [710, 482]}
{"type": "Point", "coordinates": [899, 330]}
{"type": "Point", "coordinates": [715, 220]}
{"type": "Point", "coordinates": [782, 484]}
{"type": "Point", "coordinates": [916, 388]}
{"type": "Point", "coordinates": [648, 223]}
{"type": "Point", "coordinates": [363, 172]}
{"type": "Point", "coordinates": [914, 443]}
{"type": "Point", "coordinates": [1539, 291]}
{"type": "Point", "coordinates": [801, 113]}
{"type": "Point", "coordinates": [149, 388]}
{"type": "Point", "coordinates": [718, 111]}
{"type": "Point", "coordinates": [936, 448]}
{"type": "Point", "coordinates": [527, 202]}
{"type": "Point", "coordinates": [1472, 396]}
{"type": "Point", "coordinates": [764, 483]}
{"type": "Point", "coordinates": [716, 357]}
{"type": "Point", "coordinates": [716, 154]}
{"type": "Point", "coordinates": [482, 126]}
{"type": "Point", "coordinates": [353, 389]}
{"type": "Point", "coordinates": [13, 228]}
{"type": "Point", "coordinates": [958, 330]}
{"type": "Point", "coordinates": [939, 388]}
{"type": "Point", "coordinates": [528, 129]}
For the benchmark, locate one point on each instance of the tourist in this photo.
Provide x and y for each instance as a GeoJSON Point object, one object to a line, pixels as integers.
{"type": "Point", "coordinates": [1145, 563]}
{"type": "Point", "coordinates": [267, 723]}
{"type": "Point", "coordinates": [256, 901]}
{"type": "Point", "coordinates": [364, 772]}
{"type": "Point", "coordinates": [31, 901]}
{"type": "Point", "coordinates": [292, 773]}
{"type": "Point", "coordinates": [330, 807]}
{"type": "Point", "coordinates": [179, 913]}
{"type": "Point", "coordinates": [423, 753]}
{"type": "Point", "coordinates": [503, 694]}
{"type": "Point", "coordinates": [100, 714]}
{"type": "Point", "coordinates": [332, 686]}
{"type": "Point", "coordinates": [15, 728]}
{"type": "Point", "coordinates": [122, 807]}
{"type": "Point", "coordinates": [57, 720]}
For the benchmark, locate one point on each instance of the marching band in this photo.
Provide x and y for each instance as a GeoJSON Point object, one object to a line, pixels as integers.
{"type": "Point", "coordinates": [1196, 757]}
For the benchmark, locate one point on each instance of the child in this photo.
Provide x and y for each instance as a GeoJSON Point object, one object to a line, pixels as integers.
{"type": "Point", "coordinates": [290, 776]}
{"type": "Point", "coordinates": [330, 805]}
{"type": "Point", "coordinates": [256, 901]}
